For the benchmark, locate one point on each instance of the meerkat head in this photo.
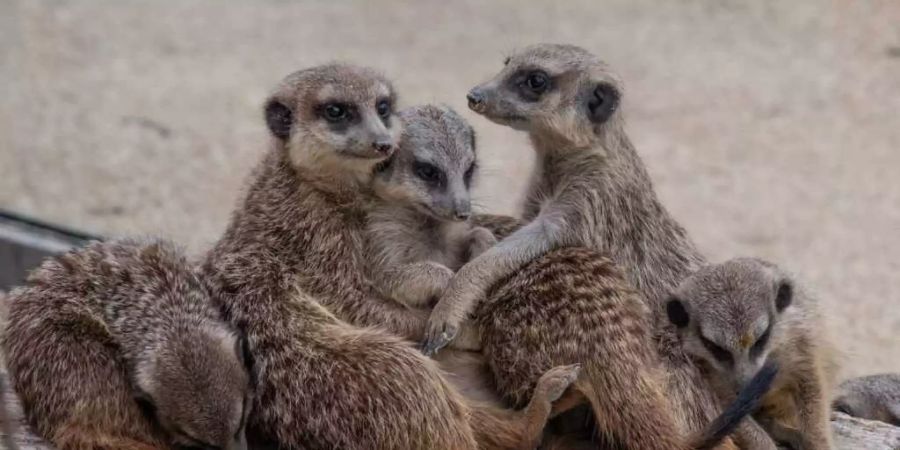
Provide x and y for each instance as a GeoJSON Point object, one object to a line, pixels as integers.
{"type": "Point", "coordinates": [197, 384]}
{"type": "Point", "coordinates": [549, 89]}
{"type": "Point", "coordinates": [434, 165]}
{"type": "Point", "coordinates": [727, 315]}
{"type": "Point", "coordinates": [334, 117]}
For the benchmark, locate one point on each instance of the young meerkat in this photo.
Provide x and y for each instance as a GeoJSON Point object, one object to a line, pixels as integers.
{"type": "Point", "coordinates": [417, 233]}
{"type": "Point", "coordinates": [290, 273]}
{"type": "Point", "coordinates": [118, 345]}
{"type": "Point", "coordinates": [589, 188]}
{"type": "Point", "coordinates": [873, 397]}
{"type": "Point", "coordinates": [734, 317]}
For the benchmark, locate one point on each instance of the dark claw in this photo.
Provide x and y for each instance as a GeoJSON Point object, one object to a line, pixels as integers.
{"type": "Point", "coordinates": [433, 343]}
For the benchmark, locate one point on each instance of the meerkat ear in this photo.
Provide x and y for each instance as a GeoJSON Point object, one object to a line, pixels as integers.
{"type": "Point", "coordinates": [602, 102]}
{"type": "Point", "coordinates": [279, 118]}
{"type": "Point", "coordinates": [677, 313]}
{"type": "Point", "coordinates": [785, 295]}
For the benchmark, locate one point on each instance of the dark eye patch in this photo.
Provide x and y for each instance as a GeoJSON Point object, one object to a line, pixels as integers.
{"type": "Point", "coordinates": [339, 115]}
{"type": "Point", "coordinates": [429, 172]}
{"type": "Point", "coordinates": [470, 172]}
{"type": "Point", "coordinates": [760, 343]}
{"type": "Point", "coordinates": [718, 352]}
{"type": "Point", "coordinates": [531, 84]}
{"type": "Point", "coordinates": [384, 108]}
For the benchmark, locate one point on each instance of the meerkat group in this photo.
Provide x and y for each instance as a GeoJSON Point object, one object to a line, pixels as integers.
{"type": "Point", "coordinates": [356, 239]}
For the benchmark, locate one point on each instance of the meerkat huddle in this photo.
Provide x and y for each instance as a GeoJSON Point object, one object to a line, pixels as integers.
{"type": "Point", "coordinates": [356, 238]}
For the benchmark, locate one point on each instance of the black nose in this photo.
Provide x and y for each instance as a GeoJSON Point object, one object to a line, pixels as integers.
{"type": "Point", "coordinates": [476, 99]}
{"type": "Point", "coordinates": [382, 147]}
{"type": "Point", "coordinates": [463, 215]}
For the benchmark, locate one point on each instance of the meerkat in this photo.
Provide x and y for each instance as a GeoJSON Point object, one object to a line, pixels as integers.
{"type": "Point", "coordinates": [736, 316]}
{"type": "Point", "coordinates": [118, 345]}
{"type": "Point", "coordinates": [873, 397]}
{"type": "Point", "coordinates": [417, 230]}
{"type": "Point", "coordinates": [289, 272]}
{"type": "Point", "coordinates": [589, 188]}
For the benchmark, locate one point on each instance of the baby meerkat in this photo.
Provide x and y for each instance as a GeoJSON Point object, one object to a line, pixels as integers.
{"type": "Point", "coordinates": [873, 397]}
{"type": "Point", "coordinates": [736, 316]}
{"type": "Point", "coordinates": [118, 345]}
{"type": "Point", "coordinates": [290, 272]}
{"type": "Point", "coordinates": [418, 233]}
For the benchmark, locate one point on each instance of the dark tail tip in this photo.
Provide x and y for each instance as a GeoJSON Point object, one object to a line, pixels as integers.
{"type": "Point", "coordinates": [747, 401]}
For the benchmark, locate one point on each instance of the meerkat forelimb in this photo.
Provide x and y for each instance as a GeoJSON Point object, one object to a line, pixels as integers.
{"type": "Point", "coordinates": [290, 273]}
{"type": "Point", "coordinates": [118, 345]}
{"type": "Point", "coordinates": [736, 316]}
{"type": "Point", "coordinates": [872, 397]}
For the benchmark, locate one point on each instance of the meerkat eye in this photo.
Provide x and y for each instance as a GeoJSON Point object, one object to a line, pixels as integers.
{"type": "Point", "coordinates": [506, 61]}
{"type": "Point", "coordinates": [467, 177]}
{"type": "Point", "coordinates": [537, 81]}
{"type": "Point", "coordinates": [384, 108]}
{"type": "Point", "coordinates": [427, 172]}
{"type": "Point", "coordinates": [718, 352]}
{"type": "Point", "coordinates": [335, 112]}
{"type": "Point", "coordinates": [760, 344]}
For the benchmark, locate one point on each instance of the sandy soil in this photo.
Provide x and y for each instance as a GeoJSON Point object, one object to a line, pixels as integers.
{"type": "Point", "coordinates": [771, 128]}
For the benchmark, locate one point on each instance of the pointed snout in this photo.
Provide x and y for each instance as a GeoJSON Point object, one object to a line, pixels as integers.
{"type": "Point", "coordinates": [476, 99]}
{"type": "Point", "coordinates": [462, 209]}
{"type": "Point", "coordinates": [384, 145]}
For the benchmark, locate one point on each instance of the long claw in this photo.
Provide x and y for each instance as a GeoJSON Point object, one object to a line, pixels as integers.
{"type": "Point", "coordinates": [435, 341]}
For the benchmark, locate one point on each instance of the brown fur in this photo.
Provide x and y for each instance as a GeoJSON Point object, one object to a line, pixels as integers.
{"type": "Point", "coordinates": [290, 273]}
{"type": "Point", "coordinates": [754, 313]}
{"type": "Point", "coordinates": [589, 189]}
{"type": "Point", "coordinates": [99, 327]}
{"type": "Point", "coordinates": [873, 397]}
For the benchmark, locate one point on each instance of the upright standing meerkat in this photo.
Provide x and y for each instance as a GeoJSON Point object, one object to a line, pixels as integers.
{"type": "Point", "coordinates": [118, 345]}
{"type": "Point", "coordinates": [589, 188]}
{"type": "Point", "coordinates": [873, 397]}
{"type": "Point", "coordinates": [290, 273]}
{"type": "Point", "coordinates": [735, 316]}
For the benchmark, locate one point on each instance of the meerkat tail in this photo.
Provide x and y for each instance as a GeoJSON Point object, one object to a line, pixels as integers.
{"type": "Point", "coordinates": [748, 399]}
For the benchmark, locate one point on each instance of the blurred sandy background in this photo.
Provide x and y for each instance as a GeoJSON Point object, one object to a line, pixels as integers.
{"type": "Point", "coordinates": [771, 128]}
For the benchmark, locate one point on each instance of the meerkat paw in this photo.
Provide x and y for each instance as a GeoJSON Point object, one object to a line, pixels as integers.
{"type": "Point", "coordinates": [481, 239]}
{"type": "Point", "coordinates": [438, 334]}
{"type": "Point", "coordinates": [555, 381]}
{"type": "Point", "coordinates": [449, 313]}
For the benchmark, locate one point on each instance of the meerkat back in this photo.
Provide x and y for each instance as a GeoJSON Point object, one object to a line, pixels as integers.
{"type": "Point", "coordinates": [116, 345]}
{"type": "Point", "coordinates": [873, 397]}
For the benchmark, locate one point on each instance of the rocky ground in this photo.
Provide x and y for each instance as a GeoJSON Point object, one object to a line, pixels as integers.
{"type": "Point", "coordinates": [771, 128]}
